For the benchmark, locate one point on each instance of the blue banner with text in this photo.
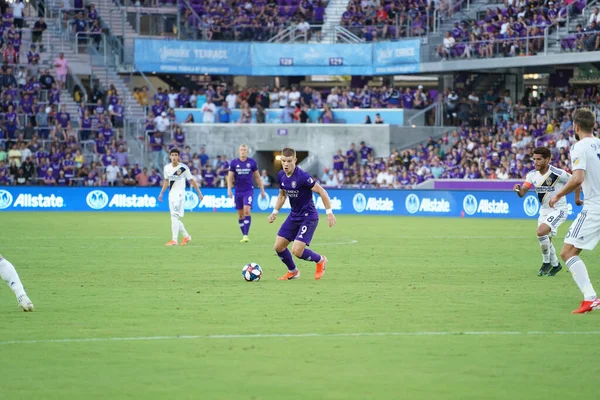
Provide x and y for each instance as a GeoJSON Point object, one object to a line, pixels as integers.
{"type": "Point", "coordinates": [183, 57]}
{"type": "Point", "coordinates": [276, 59]}
{"type": "Point", "coordinates": [481, 204]}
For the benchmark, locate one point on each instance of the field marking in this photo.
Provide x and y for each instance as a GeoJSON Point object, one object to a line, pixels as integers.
{"type": "Point", "coordinates": [420, 237]}
{"type": "Point", "coordinates": [199, 244]}
{"type": "Point", "coordinates": [296, 335]}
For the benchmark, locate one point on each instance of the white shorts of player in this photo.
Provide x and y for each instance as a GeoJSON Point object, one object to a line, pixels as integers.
{"type": "Point", "coordinates": [553, 218]}
{"type": "Point", "coordinates": [177, 204]}
{"type": "Point", "coordinates": [584, 232]}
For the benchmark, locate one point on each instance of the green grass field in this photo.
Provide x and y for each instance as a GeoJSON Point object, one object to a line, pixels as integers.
{"type": "Point", "coordinates": [419, 282]}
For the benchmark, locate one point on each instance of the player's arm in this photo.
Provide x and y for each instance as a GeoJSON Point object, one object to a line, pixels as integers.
{"type": "Point", "coordinates": [326, 202]}
{"type": "Point", "coordinates": [578, 200]}
{"type": "Point", "coordinates": [229, 183]}
{"type": "Point", "coordinates": [522, 189]}
{"type": "Point", "coordinates": [164, 188]}
{"type": "Point", "coordinates": [278, 204]}
{"type": "Point", "coordinates": [196, 188]}
{"type": "Point", "coordinates": [573, 184]}
{"type": "Point", "coordinates": [259, 183]}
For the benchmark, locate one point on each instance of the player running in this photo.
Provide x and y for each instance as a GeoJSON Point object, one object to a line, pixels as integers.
{"type": "Point", "coordinates": [175, 175]}
{"type": "Point", "coordinates": [547, 179]}
{"type": "Point", "coordinates": [584, 233]}
{"type": "Point", "coordinates": [242, 170]}
{"type": "Point", "coordinates": [301, 224]}
{"type": "Point", "coordinates": [9, 274]}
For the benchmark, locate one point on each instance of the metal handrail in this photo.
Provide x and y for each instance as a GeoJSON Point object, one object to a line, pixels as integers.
{"type": "Point", "coordinates": [422, 113]}
{"type": "Point", "coordinates": [346, 35]}
{"type": "Point", "coordinates": [188, 6]}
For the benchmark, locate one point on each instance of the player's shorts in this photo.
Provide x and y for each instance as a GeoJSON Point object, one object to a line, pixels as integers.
{"type": "Point", "coordinates": [243, 199]}
{"type": "Point", "coordinates": [584, 232]}
{"type": "Point", "coordinates": [299, 229]}
{"type": "Point", "coordinates": [177, 204]}
{"type": "Point", "coordinates": [553, 218]}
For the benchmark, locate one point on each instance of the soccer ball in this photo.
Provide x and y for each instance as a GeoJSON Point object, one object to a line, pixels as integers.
{"type": "Point", "coordinates": [251, 272]}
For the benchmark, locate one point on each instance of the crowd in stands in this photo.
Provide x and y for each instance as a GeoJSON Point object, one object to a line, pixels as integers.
{"type": "Point", "coordinates": [501, 149]}
{"type": "Point", "coordinates": [297, 104]}
{"type": "Point", "coordinates": [516, 30]}
{"type": "Point", "coordinates": [246, 20]}
{"type": "Point", "coordinates": [388, 20]}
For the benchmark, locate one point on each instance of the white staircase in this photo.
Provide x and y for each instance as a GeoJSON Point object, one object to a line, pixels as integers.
{"type": "Point", "coordinates": [112, 15]}
{"type": "Point", "coordinates": [333, 16]}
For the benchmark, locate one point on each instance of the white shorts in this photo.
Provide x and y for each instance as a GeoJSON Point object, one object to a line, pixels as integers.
{"type": "Point", "coordinates": [584, 233]}
{"type": "Point", "coordinates": [177, 204]}
{"type": "Point", "coordinates": [553, 218]}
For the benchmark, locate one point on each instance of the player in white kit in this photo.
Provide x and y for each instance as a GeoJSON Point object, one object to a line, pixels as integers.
{"type": "Point", "coordinates": [547, 180]}
{"type": "Point", "coordinates": [9, 274]}
{"type": "Point", "coordinates": [584, 233]}
{"type": "Point", "coordinates": [175, 175]}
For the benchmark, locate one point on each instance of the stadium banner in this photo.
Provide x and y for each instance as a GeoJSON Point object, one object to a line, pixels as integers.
{"type": "Point", "coordinates": [276, 59]}
{"type": "Point", "coordinates": [311, 59]}
{"type": "Point", "coordinates": [476, 204]}
{"type": "Point", "coordinates": [175, 56]}
{"type": "Point", "coordinates": [397, 57]}
{"type": "Point", "coordinates": [391, 116]}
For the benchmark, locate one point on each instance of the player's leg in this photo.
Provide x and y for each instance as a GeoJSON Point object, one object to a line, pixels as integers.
{"type": "Point", "coordinates": [186, 236]}
{"type": "Point", "coordinates": [247, 217]}
{"type": "Point", "coordinates": [9, 274]}
{"type": "Point", "coordinates": [543, 235]}
{"type": "Point", "coordinates": [300, 247]}
{"type": "Point", "coordinates": [583, 234]}
{"type": "Point", "coordinates": [286, 234]}
{"type": "Point", "coordinates": [239, 206]}
{"type": "Point", "coordinates": [558, 218]}
{"type": "Point", "coordinates": [174, 208]}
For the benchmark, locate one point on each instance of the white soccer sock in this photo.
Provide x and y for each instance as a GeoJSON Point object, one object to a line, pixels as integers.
{"type": "Point", "coordinates": [581, 277]}
{"type": "Point", "coordinates": [175, 227]}
{"type": "Point", "coordinates": [182, 229]}
{"type": "Point", "coordinates": [545, 246]}
{"type": "Point", "coordinates": [9, 274]}
{"type": "Point", "coordinates": [553, 258]}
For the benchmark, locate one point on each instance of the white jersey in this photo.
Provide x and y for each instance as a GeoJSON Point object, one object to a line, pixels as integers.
{"type": "Point", "coordinates": [547, 185]}
{"type": "Point", "coordinates": [177, 177]}
{"type": "Point", "coordinates": [585, 155]}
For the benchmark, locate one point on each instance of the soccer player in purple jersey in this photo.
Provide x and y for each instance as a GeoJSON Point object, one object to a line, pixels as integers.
{"type": "Point", "coordinates": [242, 170]}
{"type": "Point", "coordinates": [301, 224]}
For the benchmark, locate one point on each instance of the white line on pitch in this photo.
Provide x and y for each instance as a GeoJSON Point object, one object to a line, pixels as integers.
{"type": "Point", "coordinates": [296, 335]}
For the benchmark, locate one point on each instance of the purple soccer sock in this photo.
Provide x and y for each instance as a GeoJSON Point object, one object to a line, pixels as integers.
{"type": "Point", "coordinates": [310, 255]}
{"type": "Point", "coordinates": [241, 222]}
{"type": "Point", "coordinates": [247, 222]}
{"type": "Point", "coordinates": [287, 259]}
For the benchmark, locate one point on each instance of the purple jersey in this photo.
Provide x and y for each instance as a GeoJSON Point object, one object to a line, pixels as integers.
{"type": "Point", "coordinates": [298, 188]}
{"type": "Point", "coordinates": [243, 172]}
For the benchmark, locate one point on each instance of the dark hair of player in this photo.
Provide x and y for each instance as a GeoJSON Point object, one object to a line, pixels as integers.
{"type": "Point", "coordinates": [288, 152]}
{"type": "Point", "coordinates": [585, 119]}
{"type": "Point", "coordinates": [542, 151]}
{"type": "Point", "coordinates": [176, 151]}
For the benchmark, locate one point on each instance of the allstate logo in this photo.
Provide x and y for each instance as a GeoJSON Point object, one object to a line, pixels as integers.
{"type": "Point", "coordinates": [263, 204]}
{"type": "Point", "coordinates": [359, 202]}
{"type": "Point", "coordinates": [6, 199]}
{"type": "Point", "coordinates": [412, 203]}
{"type": "Point", "coordinates": [470, 204]}
{"type": "Point", "coordinates": [531, 206]}
{"type": "Point", "coordinates": [97, 199]}
{"type": "Point", "coordinates": [191, 200]}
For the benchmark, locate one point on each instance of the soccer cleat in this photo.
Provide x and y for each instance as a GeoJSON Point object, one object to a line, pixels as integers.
{"type": "Point", "coordinates": [289, 276]}
{"type": "Point", "coordinates": [25, 303]}
{"type": "Point", "coordinates": [245, 239]}
{"type": "Point", "coordinates": [186, 240]}
{"type": "Point", "coordinates": [586, 306]}
{"type": "Point", "coordinates": [171, 243]}
{"type": "Point", "coordinates": [544, 269]}
{"type": "Point", "coordinates": [554, 270]}
{"type": "Point", "coordinates": [320, 271]}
